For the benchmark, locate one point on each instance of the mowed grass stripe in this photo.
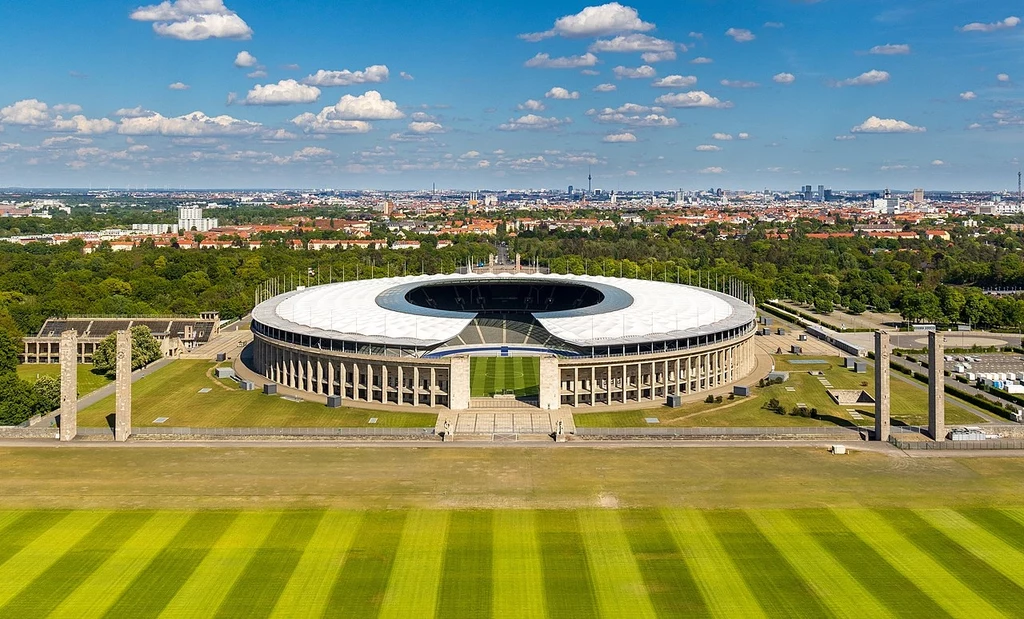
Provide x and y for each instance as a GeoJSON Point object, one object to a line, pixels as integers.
{"type": "Point", "coordinates": [415, 577]}
{"type": "Point", "coordinates": [465, 588]}
{"type": "Point", "coordinates": [724, 590]}
{"type": "Point", "coordinates": [838, 589]}
{"type": "Point", "coordinates": [153, 588]}
{"type": "Point", "coordinates": [491, 378]}
{"type": "Point", "coordinates": [36, 557]}
{"type": "Point", "coordinates": [928, 575]}
{"type": "Point", "coordinates": [478, 376]}
{"type": "Point", "coordinates": [568, 588]}
{"type": "Point", "coordinates": [669, 581]}
{"type": "Point", "coordinates": [211, 581]}
{"type": "Point", "coordinates": [108, 582]}
{"type": "Point", "coordinates": [993, 550]}
{"type": "Point", "coordinates": [618, 584]}
{"type": "Point", "coordinates": [976, 574]}
{"type": "Point", "coordinates": [516, 567]}
{"type": "Point", "coordinates": [7, 519]}
{"type": "Point", "coordinates": [779, 589]}
{"type": "Point", "coordinates": [998, 523]}
{"type": "Point", "coordinates": [531, 376]}
{"type": "Point", "coordinates": [898, 593]}
{"type": "Point", "coordinates": [359, 589]}
{"type": "Point", "coordinates": [309, 588]}
{"type": "Point", "coordinates": [24, 529]}
{"type": "Point", "coordinates": [257, 589]}
{"type": "Point", "coordinates": [45, 592]}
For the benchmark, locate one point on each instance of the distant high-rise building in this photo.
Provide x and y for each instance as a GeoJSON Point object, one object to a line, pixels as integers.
{"type": "Point", "coordinates": [191, 218]}
{"type": "Point", "coordinates": [808, 192]}
{"type": "Point", "coordinates": [821, 193]}
{"type": "Point", "coordinates": [918, 196]}
{"type": "Point", "coordinates": [828, 195]}
{"type": "Point", "coordinates": [570, 192]}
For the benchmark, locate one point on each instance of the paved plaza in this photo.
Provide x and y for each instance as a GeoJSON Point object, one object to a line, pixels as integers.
{"type": "Point", "coordinates": [503, 423]}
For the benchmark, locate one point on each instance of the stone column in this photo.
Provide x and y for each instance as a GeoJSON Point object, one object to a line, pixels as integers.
{"type": "Point", "coordinates": [936, 386]}
{"type": "Point", "coordinates": [458, 384]}
{"type": "Point", "coordinates": [882, 394]}
{"type": "Point", "coordinates": [550, 383]}
{"type": "Point", "coordinates": [68, 385]}
{"type": "Point", "coordinates": [123, 388]}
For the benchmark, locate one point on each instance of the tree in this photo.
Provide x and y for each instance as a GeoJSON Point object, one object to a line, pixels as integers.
{"type": "Point", "coordinates": [47, 393]}
{"type": "Point", "coordinates": [16, 400]}
{"type": "Point", "coordinates": [9, 349]}
{"type": "Point", "coordinates": [145, 350]}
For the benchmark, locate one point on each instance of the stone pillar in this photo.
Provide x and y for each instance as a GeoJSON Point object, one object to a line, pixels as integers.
{"type": "Point", "coordinates": [550, 379]}
{"type": "Point", "coordinates": [936, 386]}
{"type": "Point", "coordinates": [123, 388]}
{"type": "Point", "coordinates": [433, 387]}
{"type": "Point", "coordinates": [882, 394]}
{"type": "Point", "coordinates": [458, 384]}
{"type": "Point", "coordinates": [68, 385]}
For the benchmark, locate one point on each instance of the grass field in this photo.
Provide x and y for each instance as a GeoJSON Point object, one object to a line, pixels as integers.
{"type": "Point", "coordinates": [909, 403]}
{"type": "Point", "coordinates": [526, 563]}
{"type": "Point", "coordinates": [491, 375]}
{"type": "Point", "coordinates": [174, 392]}
{"type": "Point", "coordinates": [87, 380]}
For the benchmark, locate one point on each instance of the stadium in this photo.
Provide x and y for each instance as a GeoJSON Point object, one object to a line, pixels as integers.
{"type": "Point", "coordinates": [500, 339]}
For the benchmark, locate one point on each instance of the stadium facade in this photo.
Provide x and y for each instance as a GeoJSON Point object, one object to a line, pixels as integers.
{"type": "Point", "coordinates": [408, 340]}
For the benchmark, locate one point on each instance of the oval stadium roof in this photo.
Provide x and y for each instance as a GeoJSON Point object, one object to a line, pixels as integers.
{"type": "Point", "coordinates": [376, 311]}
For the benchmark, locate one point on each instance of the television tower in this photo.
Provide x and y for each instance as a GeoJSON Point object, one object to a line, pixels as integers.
{"type": "Point", "coordinates": [590, 182]}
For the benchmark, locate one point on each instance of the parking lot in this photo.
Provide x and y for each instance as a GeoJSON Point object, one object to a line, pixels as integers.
{"type": "Point", "coordinates": [987, 363]}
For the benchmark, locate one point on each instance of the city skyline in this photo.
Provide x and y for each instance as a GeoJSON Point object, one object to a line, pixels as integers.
{"type": "Point", "coordinates": [642, 94]}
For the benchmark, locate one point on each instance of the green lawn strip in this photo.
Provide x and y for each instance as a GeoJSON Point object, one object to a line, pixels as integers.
{"type": "Point", "coordinates": [173, 392]}
{"type": "Point", "coordinates": [998, 523]}
{"type": "Point", "coordinates": [8, 518]}
{"type": "Point", "coordinates": [105, 585]}
{"type": "Point", "coordinates": [531, 373]}
{"type": "Point", "coordinates": [724, 590]}
{"type": "Point", "coordinates": [258, 587]}
{"type": "Point", "coordinates": [1001, 554]}
{"type": "Point", "coordinates": [211, 581]}
{"type": "Point", "coordinates": [568, 587]}
{"type": "Point", "coordinates": [412, 589]}
{"type": "Point", "coordinates": [363, 579]}
{"type": "Point", "coordinates": [465, 587]}
{"type": "Point", "coordinates": [24, 527]}
{"type": "Point", "coordinates": [309, 587]}
{"type": "Point", "coordinates": [887, 583]}
{"type": "Point", "coordinates": [1016, 514]}
{"type": "Point", "coordinates": [618, 583]}
{"type": "Point", "coordinates": [919, 567]}
{"type": "Point", "coordinates": [517, 582]}
{"type": "Point", "coordinates": [478, 376]}
{"type": "Point", "coordinates": [822, 571]}
{"type": "Point", "coordinates": [779, 589]}
{"type": "Point", "coordinates": [46, 549]}
{"type": "Point", "coordinates": [957, 558]}
{"type": "Point", "coordinates": [670, 582]}
{"type": "Point", "coordinates": [491, 376]}
{"type": "Point", "coordinates": [45, 592]}
{"type": "Point", "coordinates": [88, 381]}
{"type": "Point", "coordinates": [160, 580]}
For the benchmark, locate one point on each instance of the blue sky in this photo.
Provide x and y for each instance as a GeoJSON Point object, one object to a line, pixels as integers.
{"type": "Point", "coordinates": [649, 95]}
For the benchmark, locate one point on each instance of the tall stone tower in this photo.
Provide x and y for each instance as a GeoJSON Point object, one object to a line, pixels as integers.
{"type": "Point", "coordinates": [68, 385]}
{"type": "Point", "coordinates": [936, 386]}
{"type": "Point", "coordinates": [123, 388]}
{"type": "Point", "coordinates": [882, 396]}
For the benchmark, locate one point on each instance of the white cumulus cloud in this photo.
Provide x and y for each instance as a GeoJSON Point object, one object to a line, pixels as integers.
{"type": "Point", "coordinates": [641, 72]}
{"type": "Point", "coordinates": [740, 35]}
{"type": "Point", "coordinates": [196, 124]}
{"type": "Point", "coordinates": [1009, 22]}
{"type": "Point", "coordinates": [712, 170]}
{"type": "Point", "coordinates": [373, 74]}
{"type": "Point", "coordinates": [423, 127]}
{"type": "Point", "coordinates": [594, 21]}
{"type": "Point", "coordinates": [561, 93]}
{"type": "Point", "coordinates": [544, 61]}
{"type": "Point", "coordinates": [633, 115]}
{"type": "Point", "coordinates": [783, 78]}
{"type": "Point", "coordinates": [245, 60]}
{"type": "Point", "coordinates": [675, 81]}
{"type": "Point", "coordinates": [618, 138]}
{"type": "Point", "coordinates": [285, 92]}
{"type": "Point", "coordinates": [968, 96]}
{"type": "Point", "coordinates": [739, 84]}
{"type": "Point", "coordinates": [1003, 77]}
{"type": "Point", "coordinates": [652, 57]}
{"type": "Point", "coordinates": [28, 112]}
{"type": "Point", "coordinates": [605, 88]}
{"type": "Point", "coordinates": [875, 124]}
{"type": "Point", "coordinates": [531, 105]}
{"type": "Point", "coordinates": [707, 148]}
{"type": "Point", "coordinates": [890, 49]}
{"type": "Point", "coordinates": [870, 78]}
{"type": "Point", "coordinates": [533, 122]}
{"type": "Point", "coordinates": [178, 86]}
{"type": "Point", "coordinates": [632, 43]}
{"type": "Point", "coordinates": [367, 106]}
{"type": "Point", "coordinates": [721, 137]}
{"type": "Point", "coordinates": [694, 98]}
{"type": "Point", "coordinates": [701, 60]}
{"type": "Point", "coordinates": [193, 20]}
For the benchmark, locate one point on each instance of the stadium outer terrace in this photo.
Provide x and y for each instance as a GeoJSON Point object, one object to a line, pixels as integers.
{"type": "Point", "coordinates": [602, 341]}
